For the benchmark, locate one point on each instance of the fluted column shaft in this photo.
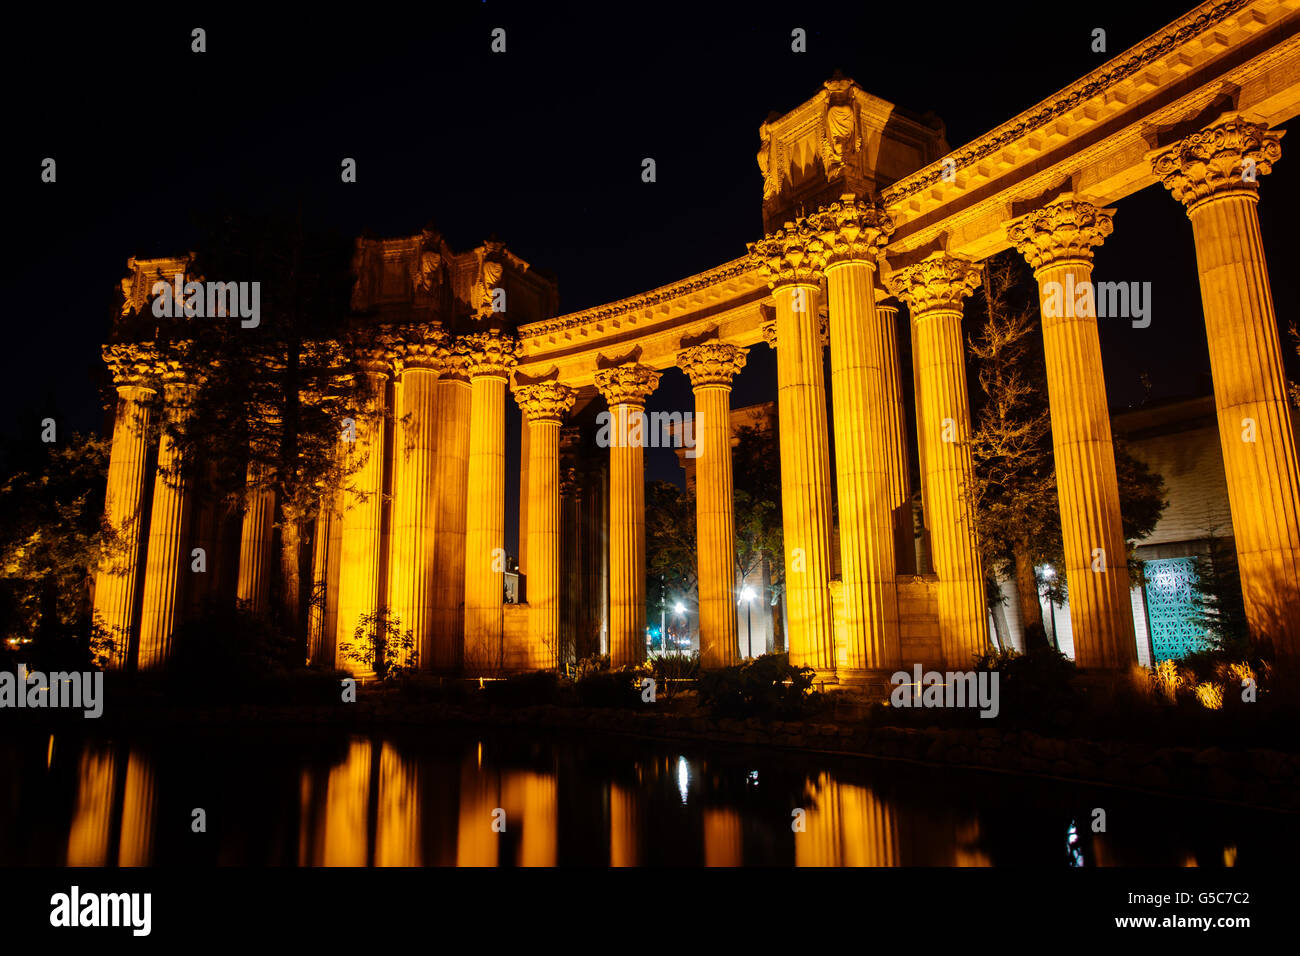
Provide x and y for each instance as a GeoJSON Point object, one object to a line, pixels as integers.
{"type": "Point", "coordinates": [1057, 241]}
{"type": "Point", "coordinates": [626, 388]}
{"type": "Point", "coordinates": [544, 406]}
{"type": "Point", "coordinates": [858, 379]}
{"type": "Point", "coordinates": [897, 469]}
{"type": "Point", "coordinates": [711, 368]}
{"type": "Point", "coordinates": [485, 525]}
{"type": "Point", "coordinates": [362, 508]}
{"type": "Point", "coordinates": [1215, 173]}
{"type": "Point", "coordinates": [451, 487]}
{"type": "Point", "coordinates": [411, 549]}
{"type": "Point", "coordinates": [255, 543]}
{"type": "Point", "coordinates": [934, 290]}
{"type": "Point", "coordinates": [169, 518]}
{"type": "Point", "coordinates": [318, 647]}
{"type": "Point", "coordinates": [115, 579]}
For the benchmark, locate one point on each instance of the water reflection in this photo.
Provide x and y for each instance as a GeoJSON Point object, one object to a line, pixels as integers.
{"type": "Point", "coordinates": [508, 801]}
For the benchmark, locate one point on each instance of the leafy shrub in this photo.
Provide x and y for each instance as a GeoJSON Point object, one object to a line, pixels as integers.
{"type": "Point", "coordinates": [224, 651]}
{"type": "Point", "coordinates": [611, 688]}
{"type": "Point", "coordinates": [768, 686]}
{"type": "Point", "coordinates": [525, 690]}
{"type": "Point", "coordinates": [670, 670]}
{"type": "Point", "coordinates": [379, 642]}
{"type": "Point", "coordinates": [1037, 686]}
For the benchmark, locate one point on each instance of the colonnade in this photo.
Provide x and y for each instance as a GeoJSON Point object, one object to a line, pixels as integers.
{"type": "Point", "coordinates": [436, 559]}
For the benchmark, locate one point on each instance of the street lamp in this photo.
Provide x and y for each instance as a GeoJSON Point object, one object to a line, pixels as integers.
{"type": "Point", "coordinates": [747, 595]}
{"type": "Point", "coordinates": [680, 610]}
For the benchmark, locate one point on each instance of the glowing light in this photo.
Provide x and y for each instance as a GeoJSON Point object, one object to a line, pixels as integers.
{"type": "Point", "coordinates": [679, 607]}
{"type": "Point", "coordinates": [747, 594]}
{"type": "Point", "coordinates": [683, 777]}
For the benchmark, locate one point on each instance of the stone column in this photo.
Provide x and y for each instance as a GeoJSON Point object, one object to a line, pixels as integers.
{"type": "Point", "coordinates": [132, 367]}
{"type": "Point", "coordinates": [253, 588]}
{"type": "Point", "coordinates": [319, 649]}
{"type": "Point", "coordinates": [1215, 174]}
{"type": "Point", "coordinates": [451, 489]}
{"type": "Point", "coordinates": [854, 234]}
{"type": "Point", "coordinates": [361, 505]}
{"type": "Point", "coordinates": [416, 436]}
{"type": "Point", "coordinates": [711, 368]}
{"type": "Point", "coordinates": [544, 406]}
{"type": "Point", "coordinates": [625, 389]}
{"type": "Point", "coordinates": [791, 260]}
{"type": "Point", "coordinates": [933, 290]}
{"type": "Point", "coordinates": [491, 357]}
{"type": "Point", "coordinates": [168, 557]}
{"type": "Point", "coordinates": [897, 465]}
{"type": "Point", "coordinates": [1057, 241]}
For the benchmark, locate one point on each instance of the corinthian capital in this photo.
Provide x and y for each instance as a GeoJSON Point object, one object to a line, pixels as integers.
{"type": "Point", "coordinates": [132, 364]}
{"type": "Point", "coordinates": [545, 401]}
{"type": "Point", "coordinates": [1067, 228]}
{"type": "Point", "coordinates": [628, 384]}
{"type": "Point", "coordinates": [852, 230]}
{"type": "Point", "coordinates": [939, 281]}
{"type": "Point", "coordinates": [489, 354]}
{"type": "Point", "coordinates": [1227, 157]}
{"type": "Point", "coordinates": [712, 364]}
{"type": "Point", "coordinates": [790, 255]}
{"type": "Point", "coordinates": [420, 345]}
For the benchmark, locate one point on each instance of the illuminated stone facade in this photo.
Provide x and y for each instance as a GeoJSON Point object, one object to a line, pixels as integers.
{"type": "Point", "coordinates": [863, 206]}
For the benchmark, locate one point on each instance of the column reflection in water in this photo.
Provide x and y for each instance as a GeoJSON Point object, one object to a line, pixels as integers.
{"type": "Point", "coordinates": [139, 802]}
{"type": "Point", "coordinates": [88, 836]}
{"type": "Point", "coordinates": [846, 825]}
{"type": "Point", "coordinates": [397, 832]}
{"type": "Point", "coordinates": [528, 799]}
{"type": "Point", "coordinates": [624, 826]}
{"type": "Point", "coordinates": [347, 806]}
{"type": "Point", "coordinates": [722, 838]}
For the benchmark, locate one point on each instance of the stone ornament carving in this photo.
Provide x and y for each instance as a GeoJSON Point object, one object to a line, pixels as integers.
{"type": "Point", "coordinates": [1064, 229]}
{"type": "Point", "coordinates": [938, 282]}
{"type": "Point", "coordinates": [841, 131]}
{"type": "Point", "coordinates": [1226, 157]}
{"type": "Point", "coordinates": [427, 279]}
{"type": "Point", "coordinates": [791, 255]}
{"type": "Point", "coordinates": [453, 363]}
{"type": "Point", "coordinates": [823, 331]}
{"type": "Point", "coordinates": [852, 230]}
{"type": "Point", "coordinates": [545, 401]}
{"type": "Point", "coordinates": [570, 484]}
{"type": "Point", "coordinates": [419, 346]}
{"type": "Point", "coordinates": [770, 162]}
{"type": "Point", "coordinates": [489, 354]}
{"type": "Point", "coordinates": [713, 364]}
{"type": "Point", "coordinates": [629, 384]}
{"type": "Point", "coordinates": [490, 272]}
{"type": "Point", "coordinates": [132, 365]}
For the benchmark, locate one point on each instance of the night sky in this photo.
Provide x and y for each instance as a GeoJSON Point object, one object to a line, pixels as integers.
{"type": "Point", "coordinates": [541, 145]}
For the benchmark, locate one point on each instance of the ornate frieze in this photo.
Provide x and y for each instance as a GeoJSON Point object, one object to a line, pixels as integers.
{"type": "Point", "coordinates": [1227, 157]}
{"type": "Point", "coordinates": [1066, 228]}
{"type": "Point", "coordinates": [628, 384]}
{"type": "Point", "coordinates": [712, 364]}
{"type": "Point", "coordinates": [939, 281]}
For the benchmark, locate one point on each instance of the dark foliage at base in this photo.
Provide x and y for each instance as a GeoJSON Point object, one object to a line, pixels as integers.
{"type": "Point", "coordinates": [768, 686]}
